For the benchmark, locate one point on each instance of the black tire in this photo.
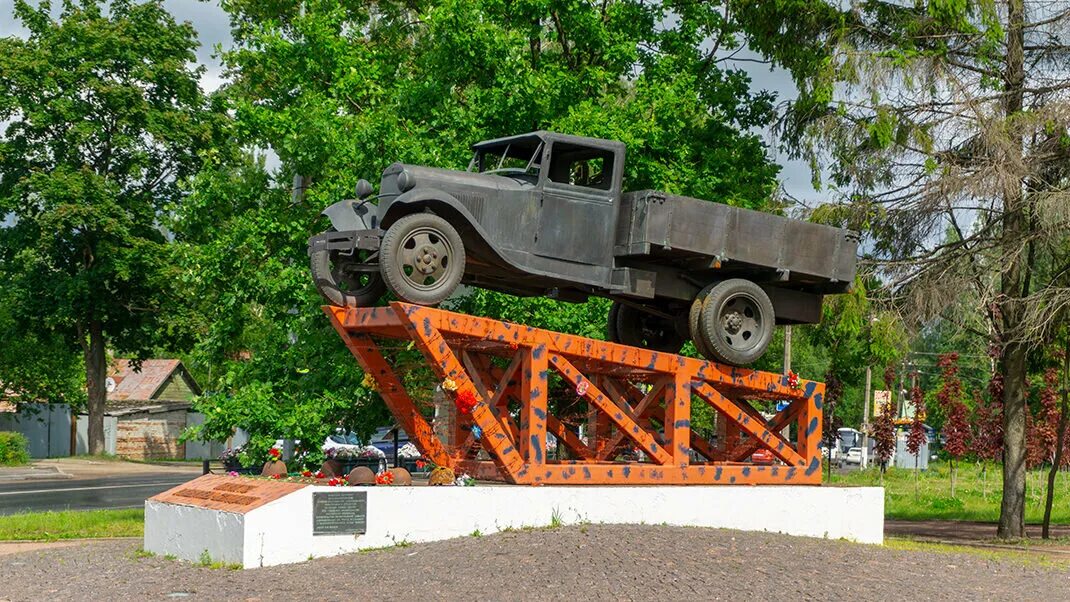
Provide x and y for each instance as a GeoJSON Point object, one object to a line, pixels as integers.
{"type": "Point", "coordinates": [340, 284]}
{"type": "Point", "coordinates": [631, 326]}
{"type": "Point", "coordinates": [737, 321]}
{"type": "Point", "coordinates": [694, 323]}
{"type": "Point", "coordinates": [611, 323]}
{"type": "Point", "coordinates": [422, 259]}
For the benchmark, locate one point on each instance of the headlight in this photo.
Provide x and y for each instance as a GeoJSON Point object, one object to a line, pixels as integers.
{"type": "Point", "coordinates": [364, 189]}
{"type": "Point", "coordinates": [406, 181]}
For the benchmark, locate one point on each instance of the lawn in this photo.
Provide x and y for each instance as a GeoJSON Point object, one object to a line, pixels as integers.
{"type": "Point", "coordinates": [49, 526]}
{"type": "Point", "coordinates": [974, 498]}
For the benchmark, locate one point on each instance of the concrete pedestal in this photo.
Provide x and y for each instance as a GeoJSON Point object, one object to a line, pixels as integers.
{"type": "Point", "coordinates": [279, 530]}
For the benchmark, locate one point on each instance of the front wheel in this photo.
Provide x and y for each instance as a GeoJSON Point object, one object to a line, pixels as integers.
{"type": "Point", "coordinates": [422, 259]}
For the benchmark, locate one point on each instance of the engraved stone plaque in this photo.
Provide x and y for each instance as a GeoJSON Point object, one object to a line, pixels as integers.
{"type": "Point", "coordinates": [339, 512]}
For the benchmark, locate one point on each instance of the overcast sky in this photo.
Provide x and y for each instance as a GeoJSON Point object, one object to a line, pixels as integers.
{"type": "Point", "coordinates": [214, 29]}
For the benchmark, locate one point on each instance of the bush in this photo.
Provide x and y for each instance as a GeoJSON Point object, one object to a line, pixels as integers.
{"type": "Point", "coordinates": [14, 449]}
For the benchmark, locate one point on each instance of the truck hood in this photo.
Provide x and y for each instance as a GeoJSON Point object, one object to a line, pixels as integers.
{"type": "Point", "coordinates": [454, 181]}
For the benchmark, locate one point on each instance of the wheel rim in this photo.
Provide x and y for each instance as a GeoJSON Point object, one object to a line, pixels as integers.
{"type": "Point", "coordinates": [425, 256]}
{"type": "Point", "coordinates": [348, 278]}
{"type": "Point", "coordinates": [740, 322]}
{"type": "Point", "coordinates": [655, 331]}
{"type": "Point", "coordinates": [643, 329]}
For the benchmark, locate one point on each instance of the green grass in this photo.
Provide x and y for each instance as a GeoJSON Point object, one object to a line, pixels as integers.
{"type": "Point", "coordinates": [51, 526]}
{"type": "Point", "coordinates": [1029, 558]}
{"type": "Point", "coordinates": [206, 561]}
{"type": "Point", "coordinates": [974, 499]}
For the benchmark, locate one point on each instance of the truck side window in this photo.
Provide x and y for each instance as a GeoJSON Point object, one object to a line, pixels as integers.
{"type": "Point", "coordinates": [581, 166]}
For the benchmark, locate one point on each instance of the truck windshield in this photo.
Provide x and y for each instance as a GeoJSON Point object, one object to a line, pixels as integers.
{"type": "Point", "coordinates": [509, 158]}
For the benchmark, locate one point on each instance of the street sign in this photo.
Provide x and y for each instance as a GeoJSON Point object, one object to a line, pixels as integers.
{"type": "Point", "coordinates": [880, 398]}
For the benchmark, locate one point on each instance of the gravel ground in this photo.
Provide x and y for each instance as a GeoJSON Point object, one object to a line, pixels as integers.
{"type": "Point", "coordinates": [591, 562]}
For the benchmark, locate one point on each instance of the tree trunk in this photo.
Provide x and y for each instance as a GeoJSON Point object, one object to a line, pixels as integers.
{"type": "Point", "coordinates": [915, 476]}
{"type": "Point", "coordinates": [984, 481]}
{"type": "Point", "coordinates": [1059, 442]}
{"type": "Point", "coordinates": [1012, 507]}
{"type": "Point", "coordinates": [95, 374]}
{"type": "Point", "coordinates": [1012, 285]}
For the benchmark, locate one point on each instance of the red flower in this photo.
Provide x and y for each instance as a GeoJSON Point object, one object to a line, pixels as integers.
{"type": "Point", "coordinates": [306, 473]}
{"type": "Point", "coordinates": [420, 464]}
{"type": "Point", "coordinates": [276, 476]}
{"type": "Point", "coordinates": [384, 478]}
{"type": "Point", "coordinates": [335, 482]}
{"type": "Point", "coordinates": [466, 400]}
{"type": "Point", "coordinates": [513, 345]}
{"type": "Point", "coordinates": [274, 453]}
{"type": "Point", "coordinates": [319, 474]}
{"type": "Point", "coordinates": [793, 380]}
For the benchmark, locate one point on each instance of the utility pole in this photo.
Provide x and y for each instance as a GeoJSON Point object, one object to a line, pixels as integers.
{"type": "Point", "coordinates": [865, 418]}
{"type": "Point", "coordinates": [786, 433]}
{"type": "Point", "coordinates": [787, 349]}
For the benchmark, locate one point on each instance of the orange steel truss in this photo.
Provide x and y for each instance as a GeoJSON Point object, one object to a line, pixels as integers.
{"type": "Point", "coordinates": [636, 399]}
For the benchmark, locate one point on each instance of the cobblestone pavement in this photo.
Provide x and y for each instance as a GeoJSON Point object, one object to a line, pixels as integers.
{"type": "Point", "coordinates": [585, 562]}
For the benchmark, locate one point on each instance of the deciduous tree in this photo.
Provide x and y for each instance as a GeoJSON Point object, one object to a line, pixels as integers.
{"type": "Point", "coordinates": [883, 433]}
{"type": "Point", "coordinates": [104, 121]}
{"type": "Point", "coordinates": [956, 430]}
{"type": "Point", "coordinates": [944, 123]}
{"type": "Point", "coordinates": [916, 437]}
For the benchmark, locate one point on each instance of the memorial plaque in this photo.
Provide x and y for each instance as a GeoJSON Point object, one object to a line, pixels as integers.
{"type": "Point", "coordinates": [339, 512]}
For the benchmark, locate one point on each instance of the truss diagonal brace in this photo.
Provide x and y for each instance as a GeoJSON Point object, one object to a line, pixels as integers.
{"type": "Point", "coordinates": [617, 415]}
{"type": "Point", "coordinates": [446, 365]}
{"type": "Point", "coordinates": [393, 393]}
{"type": "Point", "coordinates": [749, 425]}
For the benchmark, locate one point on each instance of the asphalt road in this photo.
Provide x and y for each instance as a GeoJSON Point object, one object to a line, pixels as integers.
{"type": "Point", "coordinates": [128, 491]}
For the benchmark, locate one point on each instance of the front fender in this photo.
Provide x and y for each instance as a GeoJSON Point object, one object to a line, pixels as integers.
{"type": "Point", "coordinates": [447, 206]}
{"type": "Point", "coordinates": [352, 215]}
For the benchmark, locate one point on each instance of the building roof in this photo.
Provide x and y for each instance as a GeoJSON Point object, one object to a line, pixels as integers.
{"type": "Point", "coordinates": [142, 408]}
{"type": "Point", "coordinates": [147, 383]}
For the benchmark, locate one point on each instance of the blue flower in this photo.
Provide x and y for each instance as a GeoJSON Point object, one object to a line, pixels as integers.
{"type": "Point", "coordinates": [477, 432]}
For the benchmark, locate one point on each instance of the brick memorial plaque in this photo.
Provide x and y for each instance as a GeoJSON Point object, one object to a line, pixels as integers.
{"type": "Point", "coordinates": [339, 512]}
{"type": "Point", "coordinates": [230, 494]}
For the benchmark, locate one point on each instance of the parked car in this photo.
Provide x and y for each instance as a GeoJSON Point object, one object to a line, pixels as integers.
{"type": "Point", "coordinates": [854, 456]}
{"type": "Point", "coordinates": [546, 214]}
{"type": "Point", "coordinates": [762, 456]}
{"type": "Point", "coordinates": [383, 440]}
{"type": "Point", "coordinates": [837, 457]}
{"type": "Point", "coordinates": [342, 440]}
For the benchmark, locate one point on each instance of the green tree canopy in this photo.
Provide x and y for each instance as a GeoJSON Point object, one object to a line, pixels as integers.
{"type": "Point", "coordinates": [339, 90]}
{"type": "Point", "coordinates": [105, 120]}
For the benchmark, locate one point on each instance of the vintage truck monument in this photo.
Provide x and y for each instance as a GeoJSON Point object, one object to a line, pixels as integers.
{"type": "Point", "coordinates": [546, 214]}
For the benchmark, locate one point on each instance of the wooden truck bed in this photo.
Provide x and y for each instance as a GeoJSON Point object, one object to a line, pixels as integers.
{"type": "Point", "coordinates": [670, 228]}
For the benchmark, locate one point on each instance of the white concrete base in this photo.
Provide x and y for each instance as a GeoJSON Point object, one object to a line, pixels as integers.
{"type": "Point", "coordinates": [280, 532]}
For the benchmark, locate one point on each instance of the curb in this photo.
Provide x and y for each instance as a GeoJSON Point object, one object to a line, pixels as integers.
{"type": "Point", "coordinates": [36, 474]}
{"type": "Point", "coordinates": [4, 542]}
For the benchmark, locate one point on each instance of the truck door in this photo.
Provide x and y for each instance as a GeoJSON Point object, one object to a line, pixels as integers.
{"type": "Point", "coordinates": [578, 212]}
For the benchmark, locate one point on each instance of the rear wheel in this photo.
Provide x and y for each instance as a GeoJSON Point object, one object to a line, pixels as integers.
{"type": "Point", "coordinates": [694, 323]}
{"type": "Point", "coordinates": [632, 326]}
{"type": "Point", "coordinates": [737, 321]}
{"type": "Point", "coordinates": [352, 280]}
{"type": "Point", "coordinates": [422, 258]}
